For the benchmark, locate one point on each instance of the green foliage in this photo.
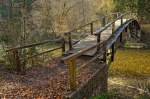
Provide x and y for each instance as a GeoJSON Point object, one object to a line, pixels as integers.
{"type": "Point", "coordinates": [144, 10]}
{"type": "Point", "coordinates": [143, 97]}
{"type": "Point", "coordinates": [108, 95]}
{"type": "Point", "coordinates": [11, 62]}
{"type": "Point", "coordinates": [126, 5]}
{"type": "Point", "coordinates": [141, 7]}
{"type": "Point", "coordinates": [28, 2]}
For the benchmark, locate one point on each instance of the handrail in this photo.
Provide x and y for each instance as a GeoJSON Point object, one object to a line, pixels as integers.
{"type": "Point", "coordinates": [108, 25]}
{"type": "Point", "coordinates": [41, 53]}
{"type": "Point", "coordinates": [34, 44]}
{"type": "Point", "coordinates": [81, 26]}
{"type": "Point", "coordinates": [20, 61]}
{"type": "Point", "coordinates": [87, 24]}
{"type": "Point", "coordinates": [75, 55]}
{"type": "Point", "coordinates": [68, 34]}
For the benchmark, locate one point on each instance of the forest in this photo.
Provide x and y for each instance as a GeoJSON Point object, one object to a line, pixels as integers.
{"type": "Point", "coordinates": [50, 49]}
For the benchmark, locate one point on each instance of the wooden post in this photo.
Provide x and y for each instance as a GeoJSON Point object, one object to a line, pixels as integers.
{"type": "Point", "coordinates": [31, 53]}
{"type": "Point", "coordinates": [113, 27]}
{"type": "Point", "coordinates": [70, 41]}
{"type": "Point", "coordinates": [63, 46]}
{"type": "Point", "coordinates": [91, 28]}
{"type": "Point", "coordinates": [99, 34]}
{"type": "Point", "coordinates": [105, 55]}
{"type": "Point", "coordinates": [121, 37]}
{"type": "Point", "coordinates": [72, 73]}
{"type": "Point", "coordinates": [126, 29]}
{"type": "Point", "coordinates": [17, 60]}
{"type": "Point", "coordinates": [121, 20]}
{"type": "Point", "coordinates": [98, 41]}
{"type": "Point", "coordinates": [113, 52]}
{"type": "Point", "coordinates": [103, 21]}
{"type": "Point", "coordinates": [118, 14]}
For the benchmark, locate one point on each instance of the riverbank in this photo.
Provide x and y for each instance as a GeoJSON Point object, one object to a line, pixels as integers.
{"type": "Point", "coordinates": [129, 75]}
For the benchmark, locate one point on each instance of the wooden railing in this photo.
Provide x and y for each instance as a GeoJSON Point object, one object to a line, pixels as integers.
{"type": "Point", "coordinates": [19, 61]}
{"type": "Point", "coordinates": [101, 49]}
{"type": "Point", "coordinates": [103, 22]}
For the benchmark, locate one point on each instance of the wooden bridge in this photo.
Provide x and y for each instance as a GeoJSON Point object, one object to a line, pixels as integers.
{"type": "Point", "coordinates": [102, 44]}
{"type": "Point", "coordinates": [98, 45]}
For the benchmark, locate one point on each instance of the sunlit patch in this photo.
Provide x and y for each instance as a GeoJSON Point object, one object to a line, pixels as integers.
{"type": "Point", "coordinates": [131, 62]}
{"type": "Point", "coordinates": [116, 80]}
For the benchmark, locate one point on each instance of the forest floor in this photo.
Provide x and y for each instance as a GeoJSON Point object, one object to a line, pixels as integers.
{"type": "Point", "coordinates": [41, 82]}
{"type": "Point", "coordinates": [46, 82]}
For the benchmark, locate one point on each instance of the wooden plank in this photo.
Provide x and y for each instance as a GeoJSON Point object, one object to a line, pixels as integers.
{"type": "Point", "coordinates": [92, 40]}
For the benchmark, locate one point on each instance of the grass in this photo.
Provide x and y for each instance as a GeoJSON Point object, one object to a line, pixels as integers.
{"type": "Point", "coordinates": [115, 95]}
{"type": "Point", "coordinates": [109, 95]}
{"type": "Point", "coordinates": [131, 63]}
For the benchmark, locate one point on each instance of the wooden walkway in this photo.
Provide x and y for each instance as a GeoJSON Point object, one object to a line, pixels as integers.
{"type": "Point", "coordinates": [92, 40]}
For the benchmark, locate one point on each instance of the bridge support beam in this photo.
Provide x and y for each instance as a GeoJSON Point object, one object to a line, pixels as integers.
{"type": "Point", "coordinates": [121, 37]}
{"type": "Point", "coordinates": [70, 41]}
{"type": "Point", "coordinates": [63, 46]}
{"type": "Point", "coordinates": [113, 28]}
{"type": "Point", "coordinates": [121, 20]}
{"type": "Point", "coordinates": [91, 28]}
{"type": "Point", "coordinates": [113, 52]}
{"type": "Point", "coordinates": [105, 57]}
{"type": "Point", "coordinates": [98, 41]}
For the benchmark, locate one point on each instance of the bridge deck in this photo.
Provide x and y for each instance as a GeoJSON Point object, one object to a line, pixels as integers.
{"type": "Point", "coordinates": [92, 40]}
